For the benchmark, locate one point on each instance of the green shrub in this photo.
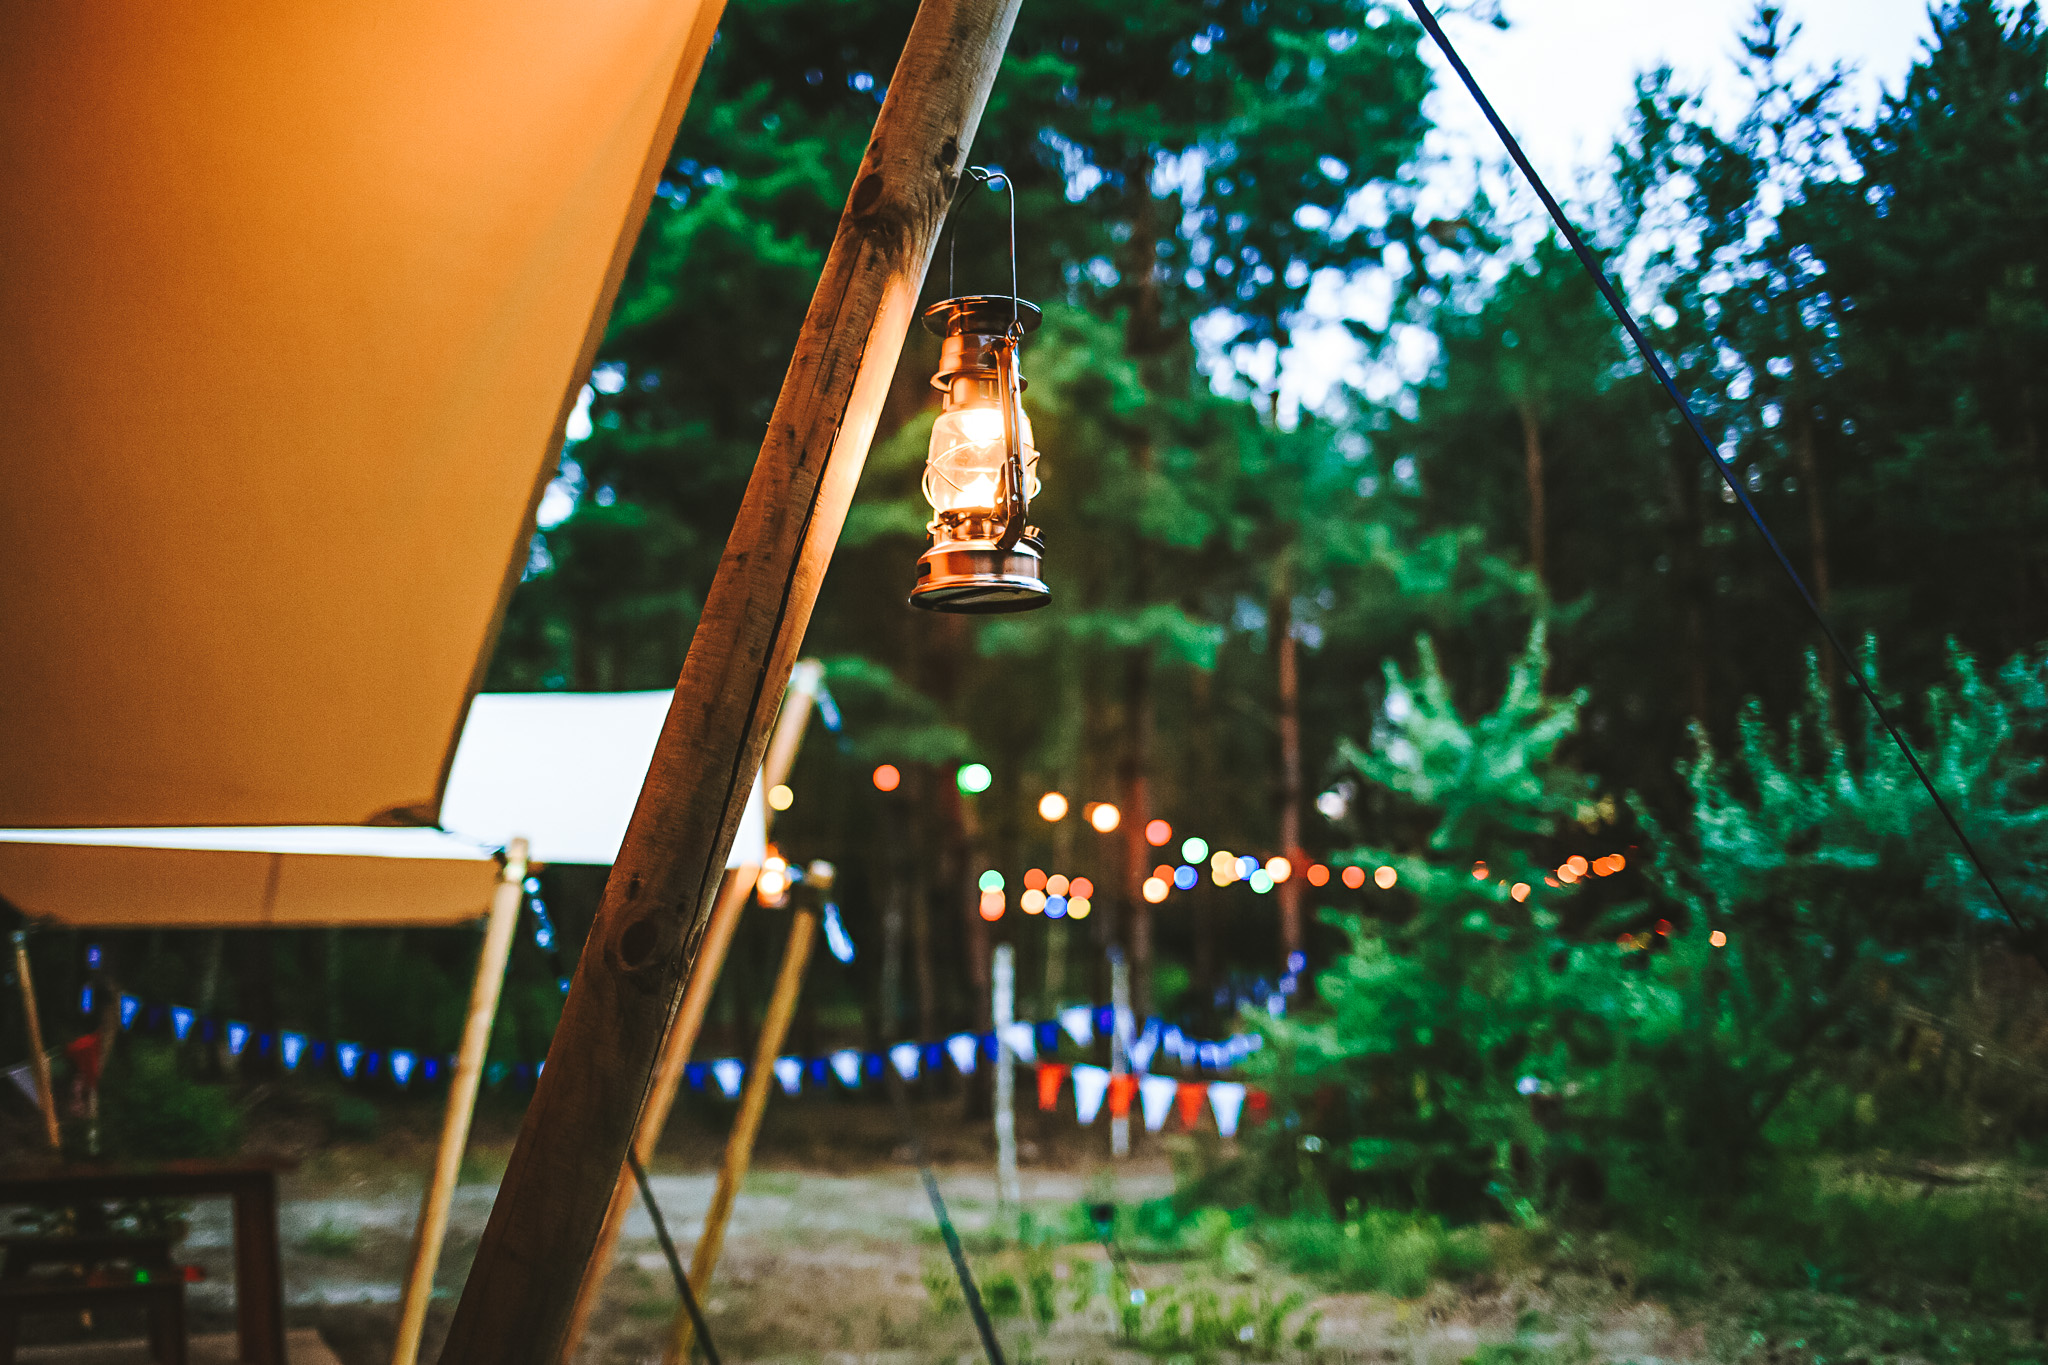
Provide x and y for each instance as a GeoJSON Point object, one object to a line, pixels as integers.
{"type": "Point", "coordinates": [149, 1108]}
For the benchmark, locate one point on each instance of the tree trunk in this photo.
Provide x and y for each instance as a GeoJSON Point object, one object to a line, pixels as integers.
{"type": "Point", "coordinates": [1532, 471]}
{"type": "Point", "coordinates": [1134, 794]}
{"type": "Point", "coordinates": [1817, 532]}
{"type": "Point", "coordinates": [1280, 630]}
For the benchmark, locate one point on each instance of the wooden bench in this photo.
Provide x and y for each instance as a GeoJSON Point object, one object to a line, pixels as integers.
{"type": "Point", "coordinates": [99, 1271]}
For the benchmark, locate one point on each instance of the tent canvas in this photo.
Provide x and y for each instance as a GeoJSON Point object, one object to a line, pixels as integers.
{"type": "Point", "coordinates": [297, 300]}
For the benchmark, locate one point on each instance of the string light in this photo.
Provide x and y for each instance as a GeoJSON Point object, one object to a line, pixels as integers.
{"type": "Point", "coordinates": [1185, 877]}
{"type": "Point", "coordinates": [1080, 887]}
{"type": "Point", "coordinates": [1479, 871]}
{"type": "Point", "coordinates": [1520, 891]}
{"type": "Point", "coordinates": [973, 778]}
{"type": "Point", "coordinates": [991, 880]}
{"type": "Point", "coordinates": [1164, 873]}
{"type": "Point", "coordinates": [1103, 816]}
{"type": "Point", "coordinates": [1056, 885]}
{"type": "Point", "coordinates": [780, 797]}
{"type": "Point", "coordinates": [992, 903]}
{"type": "Point", "coordinates": [1354, 877]}
{"type": "Point", "coordinates": [1158, 833]}
{"type": "Point", "coordinates": [1577, 864]}
{"type": "Point", "coordinates": [1078, 907]}
{"type": "Point", "coordinates": [1034, 880]}
{"type": "Point", "coordinates": [888, 778]}
{"type": "Point", "coordinates": [1193, 850]}
{"type": "Point", "coordinates": [1385, 878]}
{"type": "Point", "coordinates": [773, 883]}
{"type": "Point", "coordinates": [1318, 875]}
{"type": "Point", "coordinates": [1718, 939]}
{"type": "Point", "coordinates": [1279, 869]}
{"type": "Point", "coordinates": [1223, 867]}
{"type": "Point", "coordinates": [1154, 890]}
{"type": "Point", "coordinates": [1055, 907]}
{"type": "Point", "coordinates": [1052, 807]}
{"type": "Point", "coordinates": [1032, 901]}
{"type": "Point", "coordinates": [1259, 882]}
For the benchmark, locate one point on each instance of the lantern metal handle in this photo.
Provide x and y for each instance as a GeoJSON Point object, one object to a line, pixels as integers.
{"type": "Point", "coordinates": [1016, 497]}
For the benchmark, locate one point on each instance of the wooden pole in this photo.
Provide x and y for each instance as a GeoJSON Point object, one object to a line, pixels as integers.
{"type": "Point", "coordinates": [661, 1094]}
{"type": "Point", "coordinates": [462, 1088]}
{"type": "Point", "coordinates": [739, 1147]}
{"type": "Point", "coordinates": [643, 944]}
{"type": "Point", "coordinates": [797, 703]}
{"type": "Point", "coordinates": [38, 1060]}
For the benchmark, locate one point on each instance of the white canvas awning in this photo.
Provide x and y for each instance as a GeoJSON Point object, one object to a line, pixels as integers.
{"type": "Point", "coordinates": [561, 770]}
{"type": "Point", "coordinates": [564, 769]}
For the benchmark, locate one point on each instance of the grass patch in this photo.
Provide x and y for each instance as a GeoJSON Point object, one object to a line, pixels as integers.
{"type": "Point", "coordinates": [332, 1240]}
{"type": "Point", "coordinates": [1379, 1249]}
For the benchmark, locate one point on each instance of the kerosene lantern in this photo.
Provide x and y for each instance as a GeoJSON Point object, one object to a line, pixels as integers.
{"type": "Point", "coordinates": [982, 470]}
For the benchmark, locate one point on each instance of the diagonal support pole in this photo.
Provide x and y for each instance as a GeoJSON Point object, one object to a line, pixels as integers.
{"type": "Point", "coordinates": [643, 944]}
{"type": "Point", "coordinates": [797, 704]}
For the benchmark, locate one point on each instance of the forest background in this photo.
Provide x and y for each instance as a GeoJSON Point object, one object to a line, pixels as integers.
{"type": "Point", "coordinates": [1487, 611]}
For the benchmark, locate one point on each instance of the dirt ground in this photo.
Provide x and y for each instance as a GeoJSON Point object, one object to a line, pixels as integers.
{"type": "Point", "coordinates": [833, 1255]}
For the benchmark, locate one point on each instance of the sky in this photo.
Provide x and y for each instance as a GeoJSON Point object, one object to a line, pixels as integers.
{"type": "Point", "coordinates": [1562, 74]}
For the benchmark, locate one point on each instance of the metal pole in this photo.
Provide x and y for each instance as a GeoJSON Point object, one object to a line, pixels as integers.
{"type": "Point", "coordinates": [1119, 1046]}
{"type": "Point", "coordinates": [1009, 1194]}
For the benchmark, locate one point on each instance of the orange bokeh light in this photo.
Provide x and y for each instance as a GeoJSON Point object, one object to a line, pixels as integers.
{"type": "Point", "coordinates": [1577, 864]}
{"type": "Point", "coordinates": [1385, 878]}
{"type": "Point", "coordinates": [1354, 877]}
{"type": "Point", "coordinates": [1056, 885]}
{"type": "Point", "coordinates": [992, 904]}
{"type": "Point", "coordinates": [1158, 834]}
{"type": "Point", "coordinates": [1081, 887]}
{"type": "Point", "coordinates": [888, 778]}
{"type": "Point", "coordinates": [1318, 875]}
{"type": "Point", "coordinates": [1104, 817]}
{"type": "Point", "coordinates": [1034, 880]}
{"type": "Point", "coordinates": [1520, 891]}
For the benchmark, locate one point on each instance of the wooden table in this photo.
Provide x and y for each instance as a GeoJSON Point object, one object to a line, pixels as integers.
{"type": "Point", "coordinates": [259, 1274]}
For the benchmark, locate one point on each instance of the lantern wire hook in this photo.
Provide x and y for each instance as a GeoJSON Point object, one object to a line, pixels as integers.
{"type": "Point", "coordinates": [977, 176]}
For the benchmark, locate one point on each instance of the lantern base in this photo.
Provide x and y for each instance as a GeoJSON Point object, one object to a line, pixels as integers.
{"type": "Point", "coordinates": [977, 578]}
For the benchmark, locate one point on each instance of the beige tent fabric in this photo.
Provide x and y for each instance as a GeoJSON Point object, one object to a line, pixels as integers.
{"type": "Point", "coordinates": [294, 299]}
{"type": "Point", "coordinates": [190, 888]}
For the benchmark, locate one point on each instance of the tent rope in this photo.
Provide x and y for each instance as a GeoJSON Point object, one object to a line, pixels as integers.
{"type": "Point", "coordinates": [675, 1262]}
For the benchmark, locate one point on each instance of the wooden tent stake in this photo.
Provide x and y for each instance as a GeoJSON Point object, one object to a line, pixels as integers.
{"type": "Point", "coordinates": [739, 1145]}
{"type": "Point", "coordinates": [643, 944]}
{"type": "Point", "coordinates": [38, 1060]}
{"type": "Point", "coordinates": [797, 703]}
{"type": "Point", "coordinates": [462, 1088]}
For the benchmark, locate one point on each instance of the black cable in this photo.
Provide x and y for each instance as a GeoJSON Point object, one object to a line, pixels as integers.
{"type": "Point", "coordinates": [675, 1262]}
{"type": "Point", "coordinates": [1642, 344]}
{"type": "Point", "coordinates": [968, 1291]}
